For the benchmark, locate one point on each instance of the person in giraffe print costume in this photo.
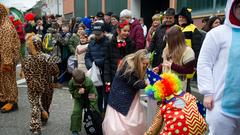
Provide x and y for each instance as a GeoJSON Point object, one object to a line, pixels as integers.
{"type": "Point", "coordinates": [9, 57]}
{"type": "Point", "coordinates": [178, 109]}
{"type": "Point", "coordinates": [38, 69]}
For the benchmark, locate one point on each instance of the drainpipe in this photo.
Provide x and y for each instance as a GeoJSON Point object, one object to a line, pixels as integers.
{"type": "Point", "coordinates": [214, 6]}
{"type": "Point", "coordinates": [58, 6]}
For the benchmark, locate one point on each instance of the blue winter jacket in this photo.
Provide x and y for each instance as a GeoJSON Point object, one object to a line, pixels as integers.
{"type": "Point", "coordinates": [96, 52]}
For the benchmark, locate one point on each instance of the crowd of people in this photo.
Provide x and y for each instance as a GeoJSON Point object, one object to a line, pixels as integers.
{"type": "Point", "coordinates": [105, 61]}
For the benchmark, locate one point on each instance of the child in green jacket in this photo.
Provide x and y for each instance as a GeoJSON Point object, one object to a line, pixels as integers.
{"type": "Point", "coordinates": [81, 87]}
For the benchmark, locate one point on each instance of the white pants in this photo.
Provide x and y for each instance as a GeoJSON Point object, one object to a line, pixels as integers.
{"type": "Point", "coordinates": [220, 124]}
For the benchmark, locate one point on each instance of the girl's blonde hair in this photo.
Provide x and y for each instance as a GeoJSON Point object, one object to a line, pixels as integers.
{"type": "Point", "coordinates": [133, 63]}
{"type": "Point", "coordinates": [156, 17]}
{"type": "Point", "coordinates": [175, 45]}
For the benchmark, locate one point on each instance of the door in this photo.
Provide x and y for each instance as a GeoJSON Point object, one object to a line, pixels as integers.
{"type": "Point", "coordinates": [151, 7]}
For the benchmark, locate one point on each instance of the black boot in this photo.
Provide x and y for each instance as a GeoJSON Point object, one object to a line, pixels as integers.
{"type": "Point", "coordinates": [2, 104]}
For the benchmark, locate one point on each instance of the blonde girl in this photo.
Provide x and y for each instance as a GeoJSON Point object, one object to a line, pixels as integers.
{"type": "Point", "coordinates": [124, 112]}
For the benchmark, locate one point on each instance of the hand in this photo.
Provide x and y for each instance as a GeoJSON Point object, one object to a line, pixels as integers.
{"type": "Point", "coordinates": [91, 96]}
{"type": "Point", "coordinates": [146, 83]}
{"type": "Point", "coordinates": [107, 87]}
{"type": "Point", "coordinates": [156, 70]}
{"type": "Point", "coordinates": [167, 64]}
{"type": "Point", "coordinates": [208, 102]}
{"type": "Point", "coordinates": [6, 68]}
{"type": "Point", "coordinates": [81, 91]}
{"type": "Point", "coordinates": [59, 22]}
{"type": "Point", "coordinates": [80, 51]}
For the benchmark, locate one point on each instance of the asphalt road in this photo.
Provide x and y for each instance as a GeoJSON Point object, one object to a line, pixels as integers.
{"type": "Point", "coordinates": [17, 122]}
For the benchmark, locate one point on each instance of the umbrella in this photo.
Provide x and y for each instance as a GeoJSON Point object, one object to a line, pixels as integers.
{"type": "Point", "coordinates": [18, 15]}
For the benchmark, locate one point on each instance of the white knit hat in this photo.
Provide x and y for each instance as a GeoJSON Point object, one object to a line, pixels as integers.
{"type": "Point", "coordinates": [126, 13]}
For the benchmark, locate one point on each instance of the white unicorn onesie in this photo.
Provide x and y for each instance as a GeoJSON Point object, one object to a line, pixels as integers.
{"type": "Point", "coordinates": [218, 71]}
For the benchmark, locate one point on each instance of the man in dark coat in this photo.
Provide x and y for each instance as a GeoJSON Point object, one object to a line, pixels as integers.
{"type": "Point", "coordinates": [158, 44]}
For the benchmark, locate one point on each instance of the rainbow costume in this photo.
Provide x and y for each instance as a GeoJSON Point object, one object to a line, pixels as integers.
{"type": "Point", "coordinates": [178, 110]}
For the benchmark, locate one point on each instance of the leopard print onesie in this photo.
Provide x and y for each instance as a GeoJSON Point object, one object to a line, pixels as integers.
{"type": "Point", "coordinates": [9, 55]}
{"type": "Point", "coordinates": [38, 70]}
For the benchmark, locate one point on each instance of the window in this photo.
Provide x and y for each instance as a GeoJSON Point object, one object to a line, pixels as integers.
{"type": "Point", "coordinates": [221, 3]}
{"type": "Point", "coordinates": [195, 5]}
{"type": "Point", "coordinates": [68, 16]}
{"type": "Point", "coordinates": [205, 6]}
{"type": "Point", "coordinates": [79, 8]}
{"type": "Point", "coordinates": [116, 6]}
{"type": "Point", "coordinates": [94, 6]}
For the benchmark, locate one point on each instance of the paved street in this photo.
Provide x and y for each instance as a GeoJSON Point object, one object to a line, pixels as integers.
{"type": "Point", "coordinates": [17, 123]}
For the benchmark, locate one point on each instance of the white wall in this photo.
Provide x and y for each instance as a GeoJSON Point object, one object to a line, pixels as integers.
{"type": "Point", "coordinates": [54, 7]}
{"type": "Point", "coordinates": [61, 7]}
{"type": "Point", "coordinates": [136, 8]}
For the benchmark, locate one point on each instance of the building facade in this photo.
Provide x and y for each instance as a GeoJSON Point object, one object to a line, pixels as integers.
{"type": "Point", "coordinates": [139, 8]}
{"type": "Point", "coordinates": [53, 7]}
{"type": "Point", "coordinates": [91, 7]}
{"type": "Point", "coordinates": [143, 8]}
{"type": "Point", "coordinates": [68, 8]}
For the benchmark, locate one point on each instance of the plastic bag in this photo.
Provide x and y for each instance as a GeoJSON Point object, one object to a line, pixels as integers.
{"type": "Point", "coordinates": [71, 63]}
{"type": "Point", "coordinates": [94, 74]}
{"type": "Point", "coordinates": [92, 121]}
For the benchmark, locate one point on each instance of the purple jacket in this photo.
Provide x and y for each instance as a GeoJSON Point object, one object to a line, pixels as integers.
{"type": "Point", "coordinates": [136, 34]}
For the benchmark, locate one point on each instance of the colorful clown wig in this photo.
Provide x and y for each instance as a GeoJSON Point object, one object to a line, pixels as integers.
{"type": "Point", "coordinates": [163, 87]}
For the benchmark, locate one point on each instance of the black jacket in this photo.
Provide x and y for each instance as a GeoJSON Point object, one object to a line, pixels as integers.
{"type": "Point", "coordinates": [96, 52]}
{"type": "Point", "coordinates": [197, 40]}
{"type": "Point", "coordinates": [158, 44]}
{"type": "Point", "coordinates": [114, 55]}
